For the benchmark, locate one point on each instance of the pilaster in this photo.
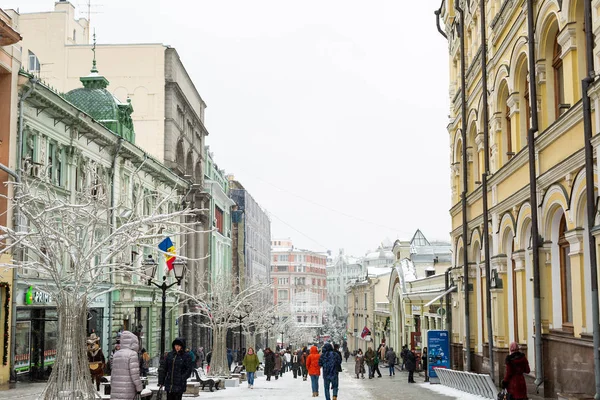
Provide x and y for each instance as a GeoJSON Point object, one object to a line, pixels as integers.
{"type": "Point", "coordinates": [575, 239]}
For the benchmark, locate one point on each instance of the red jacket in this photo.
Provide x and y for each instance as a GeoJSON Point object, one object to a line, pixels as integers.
{"type": "Point", "coordinates": [516, 366]}
{"type": "Point", "coordinates": [312, 362]}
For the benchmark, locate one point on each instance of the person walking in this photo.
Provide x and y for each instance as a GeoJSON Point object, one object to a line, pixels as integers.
{"type": "Point", "coordinates": [376, 365]}
{"type": "Point", "coordinates": [516, 365]}
{"type": "Point", "coordinates": [288, 361]}
{"type": "Point", "coordinates": [144, 363]}
{"type": "Point", "coordinates": [229, 359]}
{"type": "Point", "coordinates": [200, 358]}
{"type": "Point", "coordinates": [336, 348]}
{"type": "Point", "coordinates": [261, 356]}
{"type": "Point", "coordinates": [175, 368]}
{"type": "Point", "coordinates": [410, 361]}
{"type": "Point", "coordinates": [96, 359]}
{"type": "Point", "coordinates": [381, 350]}
{"type": "Point", "coordinates": [303, 357]}
{"type": "Point", "coordinates": [269, 363]}
{"type": "Point", "coordinates": [251, 364]}
{"type": "Point", "coordinates": [314, 370]}
{"type": "Point", "coordinates": [278, 365]}
{"type": "Point", "coordinates": [331, 361]}
{"type": "Point", "coordinates": [125, 381]}
{"type": "Point", "coordinates": [403, 353]}
{"type": "Point", "coordinates": [359, 364]}
{"type": "Point", "coordinates": [390, 358]}
{"type": "Point", "coordinates": [296, 364]}
{"type": "Point", "coordinates": [208, 358]}
{"type": "Point", "coordinates": [370, 360]}
{"type": "Point", "coordinates": [424, 361]}
{"type": "Point", "coordinates": [346, 354]}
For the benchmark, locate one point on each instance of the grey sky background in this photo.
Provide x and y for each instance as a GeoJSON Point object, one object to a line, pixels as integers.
{"type": "Point", "coordinates": [332, 113]}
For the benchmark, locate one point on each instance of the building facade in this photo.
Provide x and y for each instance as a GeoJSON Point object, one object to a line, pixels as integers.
{"type": "Point", "coordinates": [299, 283]}
{"type": "Point", "coordinates": [220, 243]}
{"type": "Point", "coordinates": [254, 232]}
{"type": "Point", "coordinates": [564, 262]}
{"type": "Point", "coordinates": [342, 270]}
{"type": "Point", "coordinates": [169, 111]}
{"type": "Point", "coordinates": [10, 63]}
{"type": "Point", "coordinates": [65, 135]}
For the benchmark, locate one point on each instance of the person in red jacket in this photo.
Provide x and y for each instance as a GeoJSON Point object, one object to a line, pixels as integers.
{"type": "Point", "coordinates": [312, 365]}
{"type": "Point", "coordinates": [516, 366]}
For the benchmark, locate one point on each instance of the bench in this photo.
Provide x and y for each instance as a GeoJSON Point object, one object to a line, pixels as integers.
{"type": "Point", "coordinates": [205, 380]}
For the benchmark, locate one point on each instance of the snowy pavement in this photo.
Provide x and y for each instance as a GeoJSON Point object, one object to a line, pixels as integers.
{"type": "Point", "coordinates": [288, 388]}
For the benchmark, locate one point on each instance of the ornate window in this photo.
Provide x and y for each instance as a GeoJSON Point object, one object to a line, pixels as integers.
{"type": "Point", "coordinates": [566, 288]}
{"type": "Point", "coordinates": [557, 66]}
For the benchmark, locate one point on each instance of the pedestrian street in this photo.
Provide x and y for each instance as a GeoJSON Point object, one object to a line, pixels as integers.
{"type": "Point", "coordinates": [288, 388]}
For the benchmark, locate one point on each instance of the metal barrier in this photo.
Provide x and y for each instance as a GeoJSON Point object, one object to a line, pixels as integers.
{"type": "Point", "coordinates": [469, 382]}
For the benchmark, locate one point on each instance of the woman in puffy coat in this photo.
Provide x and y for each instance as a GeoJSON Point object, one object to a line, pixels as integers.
{"type": "Point", "coordinates": [359, 366]}
{"type": "Point", "coordinates": [125, 379]}
{"type": "Point", "coordinates": [314, 370]}
{"type": "Point", "coordinates": [174, 370]}
{"type": "Point", "coordinates": [278, 365]}
{"type": "Point", "coordinates": [516, 366]}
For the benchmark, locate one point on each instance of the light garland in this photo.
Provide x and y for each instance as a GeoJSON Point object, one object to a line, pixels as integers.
{"type": "Point", "coordinates": [6, 319]}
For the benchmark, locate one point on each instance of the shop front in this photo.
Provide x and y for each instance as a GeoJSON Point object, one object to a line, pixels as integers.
{"type": "Point", "coordinates": [37, 333]}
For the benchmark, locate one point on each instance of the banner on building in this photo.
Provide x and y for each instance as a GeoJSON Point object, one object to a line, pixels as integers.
{"type": "Point", "coordinates": [438, 353]}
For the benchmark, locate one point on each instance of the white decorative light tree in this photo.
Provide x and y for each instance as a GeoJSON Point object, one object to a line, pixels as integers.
{"type": "Point", "coordinates": [75, 242]}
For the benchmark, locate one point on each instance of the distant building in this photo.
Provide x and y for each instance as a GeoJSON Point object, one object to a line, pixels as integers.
{"type": "Point", "coordinates": [253, 228]}
{"type": "Point", "coordinates": [428, 258]}
{"type": "Point", "coordinates": [341, 272]}
{"type": "Point", "coordinates": [300, 282]}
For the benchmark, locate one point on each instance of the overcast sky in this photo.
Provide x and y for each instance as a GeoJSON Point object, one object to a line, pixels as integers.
{"type": "Point", "coordinates": [332, 113]}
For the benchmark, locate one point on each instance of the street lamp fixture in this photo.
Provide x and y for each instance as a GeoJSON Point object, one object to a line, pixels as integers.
{"type": "Point", "coordinates": [150, 265]}
{"type": "Point", "coordinates": [241, 317]}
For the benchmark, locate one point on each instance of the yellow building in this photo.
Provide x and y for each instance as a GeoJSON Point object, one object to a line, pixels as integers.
{"type": "Point", "coordinates": [564, 270]}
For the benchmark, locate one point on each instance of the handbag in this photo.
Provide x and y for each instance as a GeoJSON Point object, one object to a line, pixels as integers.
{"type": "Point", "coordinates": [504, 395]}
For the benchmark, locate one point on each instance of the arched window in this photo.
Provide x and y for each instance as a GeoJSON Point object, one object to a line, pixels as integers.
{"type": "Point", "coordinates": [509, 145]}
{"type": "Point", "coordinates": [566, 287]}
{"type": "Point", "coordinates": [179, 157]}
{"type": "Point", "coordinates": [557, 67]}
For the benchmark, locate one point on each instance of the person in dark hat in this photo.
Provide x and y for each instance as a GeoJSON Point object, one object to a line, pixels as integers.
{"type": "Point", "coordinates": [175, 368]}
{"type": "Point", "coordinates": [96, 359]}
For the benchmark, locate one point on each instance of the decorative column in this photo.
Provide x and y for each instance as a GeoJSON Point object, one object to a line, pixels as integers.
{"type": "Point", "coordinates": [575, 239]}
{"type": "Point", "coordinates": [546, 285]}
{"type": "Point", "coordinates": [519, 286]}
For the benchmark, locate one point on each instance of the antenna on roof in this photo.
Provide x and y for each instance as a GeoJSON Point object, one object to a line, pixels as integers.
{"type": "Point", "coordinates": [89, 6]}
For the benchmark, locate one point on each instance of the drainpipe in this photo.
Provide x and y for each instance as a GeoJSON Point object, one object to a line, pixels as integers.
{"type": "Point", "coordinates": [447, 300]}
{"type": "Point", "coordinates": [112, 224]}
{"type": "Point", "coordinates": [589, 189]}
{"type": "Point", "coordinates": [535, 238]}
{"type": "Point", "coordinates": [484, 188]}
{"type": "Point", "coordinates": [465, 230]}
{"type": "Point", "coordinates": [17, 224]}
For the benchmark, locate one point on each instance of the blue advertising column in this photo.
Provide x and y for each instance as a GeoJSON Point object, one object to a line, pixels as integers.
{"type": "Point", "coordinates": [438, 353]}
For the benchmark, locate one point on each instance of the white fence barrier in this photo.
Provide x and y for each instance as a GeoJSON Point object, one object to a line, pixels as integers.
{"type": "Point", "coordinates": [469, 382]}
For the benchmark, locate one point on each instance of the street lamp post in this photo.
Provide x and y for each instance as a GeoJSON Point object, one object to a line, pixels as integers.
{"type": "Point", "coordinates": [272, 324]}
{"type": "Point", "coordinates": [248, 310]}
{"type": "Point", "coordinates": [150, 266]}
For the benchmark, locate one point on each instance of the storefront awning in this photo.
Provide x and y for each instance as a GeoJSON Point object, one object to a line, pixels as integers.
{"type": "Point", "coordinates": [452, 289]}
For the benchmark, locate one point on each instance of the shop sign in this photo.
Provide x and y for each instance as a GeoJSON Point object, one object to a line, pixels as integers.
{"type": "Point", "coordinates": [36, 297]}
{"type": "Point", "coordinates": [142, 298]}
{"type": "Point", "coordinates": [416, 309]}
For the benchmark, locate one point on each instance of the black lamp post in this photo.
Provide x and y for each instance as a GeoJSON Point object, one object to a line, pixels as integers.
{"type": "Point", "coordinates": [272, 324]}
{"type": "Point", "coordinates": [248, 310]}
{"type": "Point", "coordinates": [282, 342]}
{"type": "Point", "coordinates": [150, 266]}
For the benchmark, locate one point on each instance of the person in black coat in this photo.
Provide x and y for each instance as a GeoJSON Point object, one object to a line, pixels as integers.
{"type": "Point", "coordinates": [411, 364]}
{"type": "Point", "coordinates": [175, 368]}
{"type": "Point", "coordinates": [269, 363]}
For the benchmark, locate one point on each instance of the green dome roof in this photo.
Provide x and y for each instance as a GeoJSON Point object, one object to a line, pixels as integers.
{"type": "Point", "coordinates": [100, 104]}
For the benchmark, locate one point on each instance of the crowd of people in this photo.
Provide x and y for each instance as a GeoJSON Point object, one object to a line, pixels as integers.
{"type": "Point", "coordinates": [128, 364]}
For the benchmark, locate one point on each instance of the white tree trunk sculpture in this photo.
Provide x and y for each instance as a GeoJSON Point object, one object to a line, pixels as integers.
{"type": "Point", "coordinates": [74, 244]}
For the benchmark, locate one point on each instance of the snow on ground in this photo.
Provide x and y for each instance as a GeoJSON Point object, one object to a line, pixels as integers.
{"type": "Point", "coordinates": [450, 392]}
{"type": "Point", "coordinates": [287, 388]}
